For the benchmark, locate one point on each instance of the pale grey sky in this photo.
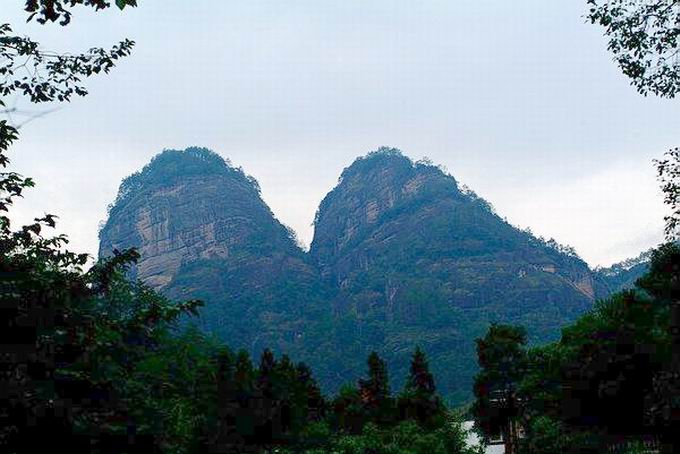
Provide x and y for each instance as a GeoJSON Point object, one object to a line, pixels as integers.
{"type": "Point", "coordinates": [518, 100]}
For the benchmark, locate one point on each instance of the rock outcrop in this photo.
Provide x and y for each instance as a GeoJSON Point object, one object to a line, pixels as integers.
{"type": "Point", "coordinates": [204, 232]}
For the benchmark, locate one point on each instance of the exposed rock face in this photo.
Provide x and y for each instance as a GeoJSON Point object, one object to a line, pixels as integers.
{"type": "Point", "coordinates": [401, 257]}
{"type": "Point", "coordinates": [203, 231]}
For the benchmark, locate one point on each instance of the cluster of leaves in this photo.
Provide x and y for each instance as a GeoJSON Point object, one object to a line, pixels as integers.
{"type": "Point", "coordinates": [54, 10]}
{"type": "Point", "coordinates": [668, 171]}
{"type": "Point", "coordinates": [610, 381]}
{"type": "Point", "coordinates": [502, 361]}
{"type": "Point", "coordinates": [406, 437]}
{"type": "Point", "coordinates": [366, 418]}
{"type": "Point", "coordinates": [45, 76]}
{"type": "Point", "coordinates": [644, 36]}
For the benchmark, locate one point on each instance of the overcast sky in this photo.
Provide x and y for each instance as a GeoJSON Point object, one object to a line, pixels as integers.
{"type": "Point", "coordinates": [518, 100]}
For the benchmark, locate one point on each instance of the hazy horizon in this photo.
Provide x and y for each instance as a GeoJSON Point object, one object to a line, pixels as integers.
{"type": "Point", "coordinates": [522, 103]}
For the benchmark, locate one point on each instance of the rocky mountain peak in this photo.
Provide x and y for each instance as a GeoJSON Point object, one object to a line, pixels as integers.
{"type": "Point", "coordinates": [188, 205]}
{"type": "Point", "coordinates": [373, 186]}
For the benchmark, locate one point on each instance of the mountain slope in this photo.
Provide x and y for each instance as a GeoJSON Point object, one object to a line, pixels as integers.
{"type": "Point", "coordinates": [204, 232]}
{"type": "Point", "coordinates": [401, 256]}
{"type": "Point", "coordinates": [622, 275]}
{"type": "Point", "coordinates": [418, 261]}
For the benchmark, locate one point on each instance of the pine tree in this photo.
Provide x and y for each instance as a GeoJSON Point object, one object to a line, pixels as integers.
{"type": "Point", "coordinates": [266, 405]}
{"type": "Point", "coordinates": [226, 386]}
{"type": "Point", "coordinates": [284, 381]}
{"type": "Point", "coordinates": [420, 379]}
{"type": "Point", "coordinates": [348, 410]}
{"type": "Point", "coordinates": [265, 374]}
{"type": "Point", "coordinates": [226, 437]}
{"type": "Point", "coordinates": [375, 391]}
{"type": "Point", "coordinates": [503, 360]}
{"type": "Point", "coordinates": [419, 399]}
{"type": "Point", "coordinates": [313, 399]}
{"type": "Point", "coordinates": [244, 374]}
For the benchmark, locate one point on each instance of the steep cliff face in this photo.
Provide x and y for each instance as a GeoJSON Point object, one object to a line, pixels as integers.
{"type": "Point", "coordinates": [203, 231]}
{"type": "Point", "coordinates": [419, 261]}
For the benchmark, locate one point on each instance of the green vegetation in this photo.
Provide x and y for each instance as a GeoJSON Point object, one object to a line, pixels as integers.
{"type": "Point", "coordinates": [610, 381]}
{"type": "Point", "coordinates": [434, 265]}
{"type": "Point", "coordinates": [170, 165]}
{"type": "Point", "coordinates": [644, 37]}
{"type": "Point", "coordinates": [94, 361]}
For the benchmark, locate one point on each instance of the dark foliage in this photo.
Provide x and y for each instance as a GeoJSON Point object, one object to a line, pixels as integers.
{"type": "Point", "coordinates": [419, 399]}
{"type": "Point", "coordinates": [611, 381]}
{"type": "Point", "coordinates": [59, 10]}
{"type": "Point", "coordinates": [45, 76]}
{"type": "Point", "coordinates": [502, 359]}
{"type": "Point", "coordinates": [668, 170]}
{"type": "Point", "coordinates": [644, 37]}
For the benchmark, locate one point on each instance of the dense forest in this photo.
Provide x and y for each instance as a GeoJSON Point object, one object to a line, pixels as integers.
{"type": "Point", "coordinates": [610, 382]}
{"type": "Point", "coordinates": [95, 360]}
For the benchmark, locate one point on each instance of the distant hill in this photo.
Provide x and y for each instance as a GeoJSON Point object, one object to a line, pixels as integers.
{"type": "Point", "coordinates": [622, 275]}
{"type": "Point", "coordinates": [401, 256]}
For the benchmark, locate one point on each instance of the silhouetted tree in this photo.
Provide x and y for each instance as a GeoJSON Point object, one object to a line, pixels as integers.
{"type": "Point", "coordinates": [310, 395]}
{"type": "Point", "coordinates": [244, 373]}
{"type": "Point", "coordinates": [375, 391]}
{"type": "Point", "coordinates": [53, 10]}
{"type": "Point", "coordinates": [502, 361]}
{"type": "Point", "coordinates": [612, 379]}
{"type": "Point", "coordinates": [348, 411]}
{"type": "Point", "coordinates": [419, 399]}
{"type": "Point", "coordinates": [644, 37]}
{"type": "Point", "coordinates": [668, 171]}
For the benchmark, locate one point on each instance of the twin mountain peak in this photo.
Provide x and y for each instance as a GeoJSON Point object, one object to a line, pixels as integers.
{"type": "Point", "coordinates": [401, 256]}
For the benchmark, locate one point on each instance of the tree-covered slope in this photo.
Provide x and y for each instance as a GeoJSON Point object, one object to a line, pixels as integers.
{"type": "Point", "coordinates": [417, 260]}
{"type": "Point", "coordinates": [204, 232]}
{"type": "Point", "coordinates": [622, 275]}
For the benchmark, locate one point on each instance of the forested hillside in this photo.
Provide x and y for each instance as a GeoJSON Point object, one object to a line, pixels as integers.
{"type": "Point", "coordinates": [401, 256]}
{"type": "Point", "coordinates": [203, 231]}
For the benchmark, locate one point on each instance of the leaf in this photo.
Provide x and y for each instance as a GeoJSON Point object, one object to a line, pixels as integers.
{"type": "Point", "coordinates": [123, 3]}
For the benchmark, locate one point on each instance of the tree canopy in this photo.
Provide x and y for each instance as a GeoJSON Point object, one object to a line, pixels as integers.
{"type": "Point", "coordinates": [644, 37]}
{"type": "Point", "coordinates": [45, 11]}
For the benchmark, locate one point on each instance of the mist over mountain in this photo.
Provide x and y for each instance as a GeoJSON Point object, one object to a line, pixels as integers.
{"type": "Point", "coordinates": [401, 256]}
